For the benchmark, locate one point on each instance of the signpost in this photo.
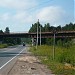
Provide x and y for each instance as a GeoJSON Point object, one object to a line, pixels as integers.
{"type": "Point", "coordinates": [40, 35]}
{"type": "Point", "coordinates": [54, 44]}
{"type": "Point", "coordinates": [37, 34]}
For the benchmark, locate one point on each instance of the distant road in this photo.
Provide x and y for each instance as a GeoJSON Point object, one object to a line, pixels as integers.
{"type": "Point", "coordinates": [8, 57]}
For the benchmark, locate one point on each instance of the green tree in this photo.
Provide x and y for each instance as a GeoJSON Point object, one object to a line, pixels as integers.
{"type": "Point", "coordinates": [49, 41]}
{"type": "Point", "coordinates": [47, 27]}
{"type": "Point", "coordinates": [58, 28]}
{"type": "Point", "coordinates": [74, 26]}
{"type": "Point", "coordinates": [1, 31]}
{"type": "Point", "coordinates": [7, 30]}
{"type": "Point", "coordinates": [59, 42]}
{"type": "Point", "coordinates": [34, 27]}
{"type": "Point", "coordinates": [68, 27]}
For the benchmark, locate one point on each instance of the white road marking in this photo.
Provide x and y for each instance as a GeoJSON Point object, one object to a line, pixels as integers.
{"type": "Point", "coordinates": [11, 59]}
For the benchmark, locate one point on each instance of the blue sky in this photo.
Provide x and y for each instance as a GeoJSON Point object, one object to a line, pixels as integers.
{"type": "Point", "coordinates": [19, 15]}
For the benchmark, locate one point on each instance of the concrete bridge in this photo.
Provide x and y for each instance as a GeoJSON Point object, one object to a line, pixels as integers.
{"type": "Point", "coordinates": [60, 34]}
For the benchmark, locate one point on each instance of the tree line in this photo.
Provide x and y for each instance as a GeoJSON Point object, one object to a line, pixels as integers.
{"type": "Point", "coordinates": [48, 28]}
{"type": "Point", "coordinates": [9, 40]}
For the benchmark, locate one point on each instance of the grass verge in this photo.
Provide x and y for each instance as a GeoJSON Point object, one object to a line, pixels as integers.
{"type": "Point", "coordinates": [3, 45]}
{"type": "Point", "coordinates": [64, 62]}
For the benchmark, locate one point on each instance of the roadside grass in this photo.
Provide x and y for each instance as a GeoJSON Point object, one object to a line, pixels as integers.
{"type": "Point", "coordinates": [63, 56]}
{"type": "Point", "coordinates": [3, 45]}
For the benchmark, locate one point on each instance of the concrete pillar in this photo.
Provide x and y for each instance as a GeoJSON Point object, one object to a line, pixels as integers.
{"type": "Point", "coordinates": [32, 41]}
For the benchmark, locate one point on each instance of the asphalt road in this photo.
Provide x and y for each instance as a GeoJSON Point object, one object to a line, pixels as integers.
{"type": "Point", "coordinates": [8, 57]}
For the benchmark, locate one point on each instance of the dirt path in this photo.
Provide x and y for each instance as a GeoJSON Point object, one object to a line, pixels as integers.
{"type": "Point", "coordinates": [29, 65]}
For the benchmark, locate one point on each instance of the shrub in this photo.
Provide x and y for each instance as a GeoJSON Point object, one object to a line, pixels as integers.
{"type": "Point", "coordinates": [3, 45]}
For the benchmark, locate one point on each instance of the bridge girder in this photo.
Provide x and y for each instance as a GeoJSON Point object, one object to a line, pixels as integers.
{"type": "Point", "coordinates": [62, 34]}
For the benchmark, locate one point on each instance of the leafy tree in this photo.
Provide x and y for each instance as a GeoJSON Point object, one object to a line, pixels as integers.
{"type": "Point", "coordinates": [1, 31]}
{"type": "Point", "coordinates": [7, 30]}
{"type": "Point", "coordinates": [34, 27]}
{"type": "Point", "coordinates": [69, 27]}
{"type": "Point", "coordinates": [59, 42]}
{"type": "Point", "coordinates": [49, 41]}
{"type": "Point", "coordinates": [52, 28]}
{"type": "Point", "coordinates": [74, 26]}
{"type": "Point", "coordinates": [47, 27]}
{"type": "Point", "coordinates": [12, 41]}
{"type": "Point", "coordinates": [58, 28]}
{"type": "Point", "coordinates": [9, 40]}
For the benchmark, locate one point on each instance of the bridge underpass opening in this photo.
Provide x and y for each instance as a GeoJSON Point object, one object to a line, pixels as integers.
{"type": "Point", "coordinates": [28, 36]}
{"type": "Point", "coordinates": [26, 40]}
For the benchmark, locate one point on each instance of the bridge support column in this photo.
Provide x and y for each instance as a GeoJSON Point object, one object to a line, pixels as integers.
{"type": "Point", "coordinates": [32, 41]}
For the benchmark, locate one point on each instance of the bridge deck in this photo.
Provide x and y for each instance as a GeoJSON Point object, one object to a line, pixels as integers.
{"type": "Point", "coordinates": [60, 34]}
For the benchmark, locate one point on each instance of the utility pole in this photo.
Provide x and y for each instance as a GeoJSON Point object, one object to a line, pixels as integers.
{"type": "Point", "coordinates": [54, 45]}
{"type": "Point", "coordinates": [37, 33]}
{"type": "Point", "coordinates": [40, 35]}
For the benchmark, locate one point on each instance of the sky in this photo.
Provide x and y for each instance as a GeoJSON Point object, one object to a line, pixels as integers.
{"type": "Point", "coordinates": [19, 15]}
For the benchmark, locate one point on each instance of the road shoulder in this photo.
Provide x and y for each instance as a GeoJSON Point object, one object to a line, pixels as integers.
{"type": "Point", "coordinates": [27, 64]}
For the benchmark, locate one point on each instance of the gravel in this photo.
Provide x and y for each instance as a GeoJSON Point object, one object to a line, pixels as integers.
{"type": "Point", "coordinates": [29, 65]}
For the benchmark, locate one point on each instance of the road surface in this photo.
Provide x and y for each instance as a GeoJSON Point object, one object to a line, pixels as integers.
{"type": "Point", "coordinates": [8, 57]}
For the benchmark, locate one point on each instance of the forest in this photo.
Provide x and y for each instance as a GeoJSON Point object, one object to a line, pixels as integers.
{"type": "Point", "coordinates": [8, 40]}
{"type": "Point", "coordinates": [48, 28]}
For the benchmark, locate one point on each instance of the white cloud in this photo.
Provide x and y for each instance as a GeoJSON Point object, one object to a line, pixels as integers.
{"type": "Point", "coordinates": [5, 17]}
{"type": "Point", "coordinates": [19, 15]}
{"type": "Point", "coordinates": [22, 17]}
{"type": "Point", "coordinates": [51, 14]}
{"type": "Point", "coordinates": [18, 4]}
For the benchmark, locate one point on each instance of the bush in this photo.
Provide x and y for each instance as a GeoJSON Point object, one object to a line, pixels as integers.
{"type": "Point", "coordinates": [59, 43]}
{"type": "Point", "coordinates": [62, 55]}
{"type": "Point", "coordinates": [3, 45]}
{"type": "Point", "coordinates": [49, 41]}
{"type": "Point", "coordinates": [67, 56]}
